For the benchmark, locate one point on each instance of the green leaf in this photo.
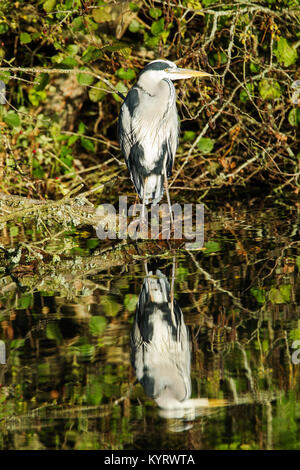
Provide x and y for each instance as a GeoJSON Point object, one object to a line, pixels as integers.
{"type": "Point", "coordinates": [189, 136]}
{"type": "Point", "coordinates": [254, 68]}
{"type": "Point", "coordinates": [41, 81]}
{"type": "Point", "coordinates": [53, 332]}
{"type": "Point", "coordinates": [17, 343]}
{"type": "Point", "coordinates": [281, 295]}
{"type": "Point", "coordinates": [155, 13]}
{"type": "Point", "coordinates": [25, 38]}
{"type": "Point", "coordinates": [72, 49]}
{"type": "Point", "coordinates": [152, 41]}
{"type": "Point", "coordinates": [157, 27]}
{"type": "Point", "coordinates": [84, 79]}
{"type": "Point", "coordinates": [130, 302]}
{"type": "Point", "coordinates": [298, 262]}
{"type": "Point", "coordinates": [25, 301]}
{"type": "Point", "coordinates": [13, 231]}
{"type": "Point", "coordinates": [49, 5]}
{"type": "Point", "coordinates": [259, 294]}
{"type": "Point", "coordinates": [97, 93]}
{"type": "Point", "coordinates": [81, 128]}
{"type": "Point", "coordinates": [5, 77]}
{"type": "Point", "coordinates": [87, 144]}
{"type": "Point", "coordinates": [110, 307]}
{"type": "Point", "coordinates": [92, 53]}
{"type": "Point", "coordinates": [294, 117]}
{"type": "Point", "coordinates": [12, 119]}
{"type": "Point", "coordinates": [269, 89]}
{"type": "Point", "coordinates": [133, 6]}
{"type": "Point", "coordinates": [244, 95]}
{"type": "Point", "coordinates": [102, 14]}
{"type": "Point", "coordinates": [285, 53]}
{"type": "Point", "coordinates": [72, 139]}
{"type": "Point", "coordinates": [78, 24]}
{"type": "Point", "coordinates": [134, 26]}
{"type": "Point", "coordinates": [128, 74]}
{"type": "Point", "coordinates": [122, 89]}
{"type": "Point", "coordinates": [97, 325]}
{"type": "Point", "coordinates": [212, 247]}
{"type": "Point", "coordinates": [68, 63]}
{"type": "Point", "coordinates": [181, 273]}
{"type": "Point", "coordinates": [3, 28]}
{"type": "Point", "coordinates": [94, 393]}
{"type": "Point", "coordinates": [285, 291]}
{"type": "Point", "coordinates": [35, 96]}
{"type": "Point", "coordinates": [205, 145]}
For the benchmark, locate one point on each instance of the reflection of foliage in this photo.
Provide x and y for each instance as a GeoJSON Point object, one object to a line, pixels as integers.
{"type": "Point", "coordinates": [68, 350]}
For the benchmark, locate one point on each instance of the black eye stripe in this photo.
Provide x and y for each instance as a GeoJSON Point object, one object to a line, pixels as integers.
{"type": "Point", "coordinates": [157, 66]}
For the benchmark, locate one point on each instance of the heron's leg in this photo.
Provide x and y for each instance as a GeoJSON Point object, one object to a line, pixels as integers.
{"type": "Point", "coordinates": [172, 288]}
{"type": "Point", "coordinates": [144, 225]}
{"type": "Point", "coordinates": [168, 197]}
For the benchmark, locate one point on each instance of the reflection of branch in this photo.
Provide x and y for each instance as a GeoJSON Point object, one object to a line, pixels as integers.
{"type": "Point", "coordinates": [217, 286]}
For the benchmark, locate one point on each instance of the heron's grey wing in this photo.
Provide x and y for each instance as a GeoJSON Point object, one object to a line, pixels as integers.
{"type": "Point", "coordinates": [126, 135]}
{"type": "Point", "coordinates": [131, 148]}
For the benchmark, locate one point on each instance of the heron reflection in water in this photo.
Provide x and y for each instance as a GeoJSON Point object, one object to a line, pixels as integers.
{"type": "Point", "coordinates": [161, 350]}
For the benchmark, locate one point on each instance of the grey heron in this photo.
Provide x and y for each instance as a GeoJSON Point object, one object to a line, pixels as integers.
{"type": "Point", "coordinates": [148, 128]}
{"type": "Point", "coordinates": [161, 350]}
{"type": "Point", "coordinates": [160, 345]}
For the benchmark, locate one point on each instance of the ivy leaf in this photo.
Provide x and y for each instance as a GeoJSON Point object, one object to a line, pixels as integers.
{"type": "Point", "coordinates": [5, 77]}
{"type": "Point", "coordinates": [53, 332]}
{"type": "Point", "coordinates": [205, 145]}
{"type": "Point", "coordinates": [244, 95]}
{"type": "Point", "coordinates": [155, 13]}
{"type": "Point", "coordinates": [294, 117]}
{"type": "Point", "coordinates": [130, 302]}
{"type": "Point", "coordinates": [87, 144]}
{"type": "Point", "coordinates": [49, 5]}
{"type": "Point", "coordinates": [128, 74]}
{"type": "Point", "coordinates": [25, 38]}
{"type": "Point", "coordinates": [134, 26]}
{"type": "Point", "coordinates": [41, 81]}
{"type": "Point", "coordinates": [97, 325]}
{"type": "Point", "coordinates": [189, 136]}
{"type": "Point", "coordinates": [110, 307]}
{"type": "Point", "coordinates": [259, 294]}
{"type": "Point", "coordinates": [25, 301]}
{"type": "Point", "coordinates": [84, 79]}
{"type": "Point", "coordinates": [12, 119]}
{"type": "Point", "coordinates": [91, 54]}
{"type": "Point", "coordinates": [97, 93]}
{"type": "Point", "coordinates": [122, 89]}
{"type": "Point", "coordinates": [212, 247]}
{"type": "Point", "coordinates": [157, 27]}
{"type": "Point", "coordinates": [35, 96]}
{"type": "Point", "coordinates": [72, 49]}
{"type": "Point", "coordinates": [285, 53]}
{"type": "Point", "coordinates": [94, 393]}
{"type": "Point", "coordinates": [3, 28]}
{"type": "Point", "coordinates": [269, 89]}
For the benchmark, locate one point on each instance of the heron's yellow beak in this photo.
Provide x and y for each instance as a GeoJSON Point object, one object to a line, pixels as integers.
{"type": "Point", "coordinates": [177, 74]}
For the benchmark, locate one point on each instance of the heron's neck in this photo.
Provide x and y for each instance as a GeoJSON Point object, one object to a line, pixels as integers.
{"type": "Point", "coordinates": [162, 91]}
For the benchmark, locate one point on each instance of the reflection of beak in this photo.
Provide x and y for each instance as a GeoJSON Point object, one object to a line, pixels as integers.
{"type": "Point", "coordinates": [177, 74]}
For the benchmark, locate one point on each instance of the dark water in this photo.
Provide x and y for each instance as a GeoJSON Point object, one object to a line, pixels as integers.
{"type": "Point", "coordinates": [70, 375]}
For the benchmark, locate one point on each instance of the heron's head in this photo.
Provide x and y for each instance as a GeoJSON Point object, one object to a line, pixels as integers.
{"type": "Point", "coordinates": [161, 69]}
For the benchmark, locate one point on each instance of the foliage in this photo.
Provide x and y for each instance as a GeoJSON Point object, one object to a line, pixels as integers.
{"type": "Point", "coordinates": [244, 121]}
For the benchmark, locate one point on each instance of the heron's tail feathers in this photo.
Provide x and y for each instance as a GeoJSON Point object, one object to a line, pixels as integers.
{"type": "Point", "coordinates": [153, 188]}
